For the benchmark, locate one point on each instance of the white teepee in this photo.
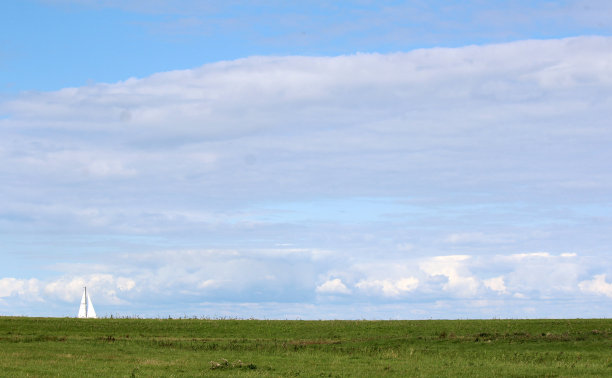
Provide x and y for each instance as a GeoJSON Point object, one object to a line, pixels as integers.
{"type": "Point", "coordinates": [86, 310]}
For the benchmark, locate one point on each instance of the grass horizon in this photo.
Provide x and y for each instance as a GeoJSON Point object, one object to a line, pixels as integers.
{"type": "Point", "coordinates": [202, 347]}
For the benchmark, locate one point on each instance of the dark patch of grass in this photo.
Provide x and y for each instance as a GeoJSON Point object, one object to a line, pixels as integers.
{"type": "Point", "coordinates": [225, 364]}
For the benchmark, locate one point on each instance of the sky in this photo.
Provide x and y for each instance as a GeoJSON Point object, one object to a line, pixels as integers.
{"type": "Point", "coordinates": [306, 160]}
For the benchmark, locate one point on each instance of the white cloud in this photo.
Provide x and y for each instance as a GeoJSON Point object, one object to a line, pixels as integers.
{"type": "Point", "coordinates": [125, 284]}
{"type": "Point", "coordinates": [495, 284]}
{"type": "Point", "coordinates": [597, 285]}
{"type": "Point", "coordinates": [103, 288]}
{"type": "Point", "coordinates": [542, 274]}
{"type": "Point", "coordinates": [237, 130]}
{"type": "Point", "coordinates": [213, 160]}
{"type": "Point", "coordinates": [28, 289]}
{"type": "Point", "coordinates": [455, 269]}
{"type": "Point", "coordinates": [259, 276]}
{"type": "Point", "coordinates": [334, 286]}
{"type": "Point", "coordinates": [389, 288]}
{"type": "Point", "coordinates": [531, 255]}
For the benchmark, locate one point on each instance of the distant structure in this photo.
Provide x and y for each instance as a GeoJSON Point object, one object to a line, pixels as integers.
{"type": "Point", "coordinates": [86, 310]}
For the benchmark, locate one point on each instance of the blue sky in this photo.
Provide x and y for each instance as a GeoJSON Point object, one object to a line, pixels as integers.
{"type": "Point", "coordinates": [52, 44]}
{"type": "Point", "coordinates": [357, 159]}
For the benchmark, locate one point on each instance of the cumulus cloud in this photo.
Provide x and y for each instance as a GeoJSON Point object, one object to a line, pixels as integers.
{"type": "Point", "coordinates": [455, 270]}
{"type": "Point", "coordinates": [389, 288]}
{"type": "Point", "coordinates": [125, 284]}
{"type": "Point", "coordinates": [104, 287]}
{"type": "Point", "coordinates": [289, 276]}
{"type": "Point", "coordinates": [542, 274]}
{"type": "Point", "coordinates": [495, 284]}
{"type": "Point", "coordinates": [334, 286]}
{"type": "Point", "coordinates": [597, 285]}
{"type": "Point", "coordinates": [28, 289]}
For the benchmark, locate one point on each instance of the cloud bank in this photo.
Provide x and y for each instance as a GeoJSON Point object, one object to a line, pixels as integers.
{"type": "Point", "coordinates": [421, 177]}
{"type": "Point", "coordinates": [191, 280]}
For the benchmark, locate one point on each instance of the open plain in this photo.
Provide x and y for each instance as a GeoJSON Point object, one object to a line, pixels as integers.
{"type": "Point", "coordinates": [221, 347]}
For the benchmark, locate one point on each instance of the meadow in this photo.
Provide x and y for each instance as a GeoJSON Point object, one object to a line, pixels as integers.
{"type": "Point", "coordinates": [226, 347]}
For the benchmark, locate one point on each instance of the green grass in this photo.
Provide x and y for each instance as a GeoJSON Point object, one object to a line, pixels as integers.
{"type": "Point", "coordinates": [195, 347]}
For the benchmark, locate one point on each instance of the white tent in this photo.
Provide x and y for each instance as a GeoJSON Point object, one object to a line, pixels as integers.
{"type": "Point", "coordinates": [86, 310]}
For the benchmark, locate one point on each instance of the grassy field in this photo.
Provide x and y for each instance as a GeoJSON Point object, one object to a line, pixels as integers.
{"type": "Point", "coordinates": [201, 347]}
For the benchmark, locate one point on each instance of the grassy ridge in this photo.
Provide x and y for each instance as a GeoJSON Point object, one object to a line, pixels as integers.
{"type": "Point", "coordinates": [194, 347]}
